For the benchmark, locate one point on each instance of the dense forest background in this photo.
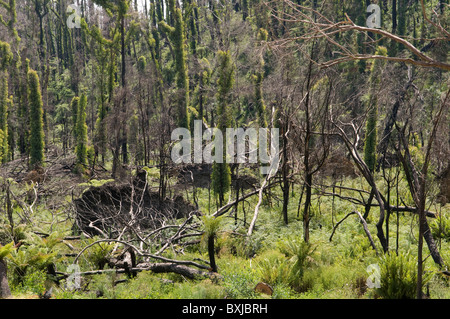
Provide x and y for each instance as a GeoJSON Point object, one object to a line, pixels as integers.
{"type": "Point", "coordinates": [93, 205]}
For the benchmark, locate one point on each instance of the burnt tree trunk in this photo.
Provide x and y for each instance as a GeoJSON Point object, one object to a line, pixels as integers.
{"type": "Point", "coordinates": [5, 292]}
{"type": "Point", "coordinates": [285, 173]}
{"type": "Point", "coordinates": [212, 258]}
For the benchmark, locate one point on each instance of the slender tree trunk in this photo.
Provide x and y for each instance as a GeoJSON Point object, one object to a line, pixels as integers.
{"type": "Point", "coordinates": [212, 258]}
{"type": "Point", "coordinates": [394, 16]}
{"type": "Point", "coordinates": [124, 84]}
{"type": "Point", "coordinates": [307, 206]}
{"type": "Point", "coordinates": [5, 292]}
{"type": "Point", "coordinates": [285, 172]}
{"type": "Point", "coordinates": [422, 221]}
{"type": "Point", "coordinates": [369, 204]}
{"type": "Point", "coordinates": [306, 163]}
{"type": "Point", "coordinates": [388, 211]}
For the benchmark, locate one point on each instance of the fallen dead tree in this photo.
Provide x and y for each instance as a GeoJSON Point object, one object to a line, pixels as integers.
{"type": "Point", "coordinates": [127, 263]}
{"type": "Point", "coordinates": [183, 270]}
{"type": "Point", "coordinates": [143, 227]}
{"type": "Point", "coordinates": [112, 209]}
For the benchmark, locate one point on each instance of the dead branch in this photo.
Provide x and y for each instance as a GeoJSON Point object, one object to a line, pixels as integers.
{"type": "Point", "coordinates": [352, 147]}
{"type": "Point", "coordinates": [154, 267]}
{"type": "Point", "coordinates": [363, 222]}
{"type": "Point", "coordinates": [222, 210]}
{"type": "Point", "coordinates": [142, 254]}
{"type": "Point", "coordinates": [323, 28]}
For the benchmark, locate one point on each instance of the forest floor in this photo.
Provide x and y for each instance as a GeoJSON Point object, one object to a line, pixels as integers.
{"type": "Point", "coordinates": [275, 254]}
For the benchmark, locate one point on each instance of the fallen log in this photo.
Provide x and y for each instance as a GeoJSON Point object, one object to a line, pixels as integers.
{"type": "Point", "coordinates": [183, 270]}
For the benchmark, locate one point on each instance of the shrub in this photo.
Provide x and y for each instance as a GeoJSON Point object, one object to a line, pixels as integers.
{"type": "Point", "coordinates": [33, 282]}
{"type": "Point", "coordinates": [288, 265]}
{"type": "Point", "coordinates": [441, 227]}
{"type": "Point", "coordinates": [274, 269]}
{"type": "Point", "coordinates": [37, 143]}
{"type": "Point", "coordinates": [398, 277]}
{"type": "Point", "coordinates": [99, 253]}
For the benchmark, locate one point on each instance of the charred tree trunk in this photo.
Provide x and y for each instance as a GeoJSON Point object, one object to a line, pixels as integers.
{"type": "Point", "coordinates": [124, 84]}
{"type": "Point", "coordinates": [212, 258]}
{"type": "Point", "coordinates": [5, 292]}
{"type": "Point", "coordinates": [307, 206]}
{"type": "Point", "coordinates": [285, 173]}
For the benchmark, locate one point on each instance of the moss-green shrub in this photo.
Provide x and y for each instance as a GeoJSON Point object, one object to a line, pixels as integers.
{"type": "Point", "coordinates": [287, 265]}
{"type": "Point", "coordinates": [275, 268]}
{"type": "Point", "coordinates": [33, 283]}
{"type": "Point", "coordinates": [398, 277]}
{"type": "Point", "coordinates": [441, 227]}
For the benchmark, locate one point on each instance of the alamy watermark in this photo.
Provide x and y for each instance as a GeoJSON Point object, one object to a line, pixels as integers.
{"type": "Point", "coordinates": [74, 279]}
{"type": "Point", "coordinates": [374, 19]}
{"type": "Point", "coordinates": [242, 145]}
{"type": "Point", "coordinates": [74, 19]}
{"type": "Point", "coordinates": [373, 281]}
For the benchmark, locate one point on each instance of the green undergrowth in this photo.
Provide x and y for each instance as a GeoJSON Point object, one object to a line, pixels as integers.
{"type": "Point", "coordinates": [275, 254]}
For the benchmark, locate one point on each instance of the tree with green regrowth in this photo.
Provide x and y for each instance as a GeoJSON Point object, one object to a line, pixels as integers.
{"type": "Point", "coordinates": [211, 226]}
{"type": "Point", "coordinates": [74, 105]}
{"type": "Point", "coordinates": [23, 108]}
{"type": "Point", "coordinates": [81, 134]}
{"type": "Point", "coordinates": [176, 35]}
{"type": "Point", "coordinates": [120, 8]}
{"type": "Point", "coordinates": [37, 143]}
{"type": "Point", "coordinates": [200, 100]}
{"type": "Point", "coordinates": [260, 105]}
{"type": "Point", "coordinates": [10, 7]}
{"type": "Point", "coordinates": [6, 55]}
{"type": "Point", "coordinates": [4, 103]}
{"type": "Point", "coordinates": [258, 78]}
{"type": "Point", "coordinates": [221, 173]}
{"type": "Point", "coordinates": [370, 145]}
{"type": "Point", "coordinates": [104, 73]}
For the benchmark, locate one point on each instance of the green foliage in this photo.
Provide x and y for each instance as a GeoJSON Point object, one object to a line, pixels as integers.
{"type": "Point", "coordinates": [259, 100]}
{"type": "Point", "coordinates": [6, 55]}
{"type": "Point", "coordinates": [240, 284]}
{"type": "Point", "coordinates": [33, 282]}
{"type": "Point", "coordinates": [298, 252]}
{"type": "Point", "coordinates": [81, 133]}
{"type": "Point", "coordinates": [4, 105]}
{"type": "Point", "coordinates": [90, 153]}
{"type": "Point", "coordinates": [175, 75]}
{"type": "Point", "coordinates": [142, 63]}
{"type": "Point", "coordinates": [288, 264]}
{"type": "Point", "coordinates": [36, 120]}
{"type": "Point", "coordinates": [398, 277]}
{"type": "Point", "coordinates": [177, 36]}
{"type": "Point", "coordinates": [440, 227]}
{"type": "Point", "coordinates": [10, 7]}
{"type": "Point", "coordinates": [211, 225]}
{"type": "Point", "coordinates": [221, 174]}
{"type": "Point", "coordinates": [96, 183]}
{"type": "Point", "coordinates": [221, 179]}
{"type": "Point", "coordinates": [200, 96]}
{"type": "Point", "coordinates": [37, 255]}
{"type": "Point", "coordinates": [98, 254]}
{"type": "Point", "coordinates": [6, 250]}
{"type": "Point", "coordinates": [3, 149]}
{"type": "Point", "coordinates": [370, 145]}
{"type": "Point", "coordinates": [274, 268]}
{"type": "Point", "coordinates": [225, 82]}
